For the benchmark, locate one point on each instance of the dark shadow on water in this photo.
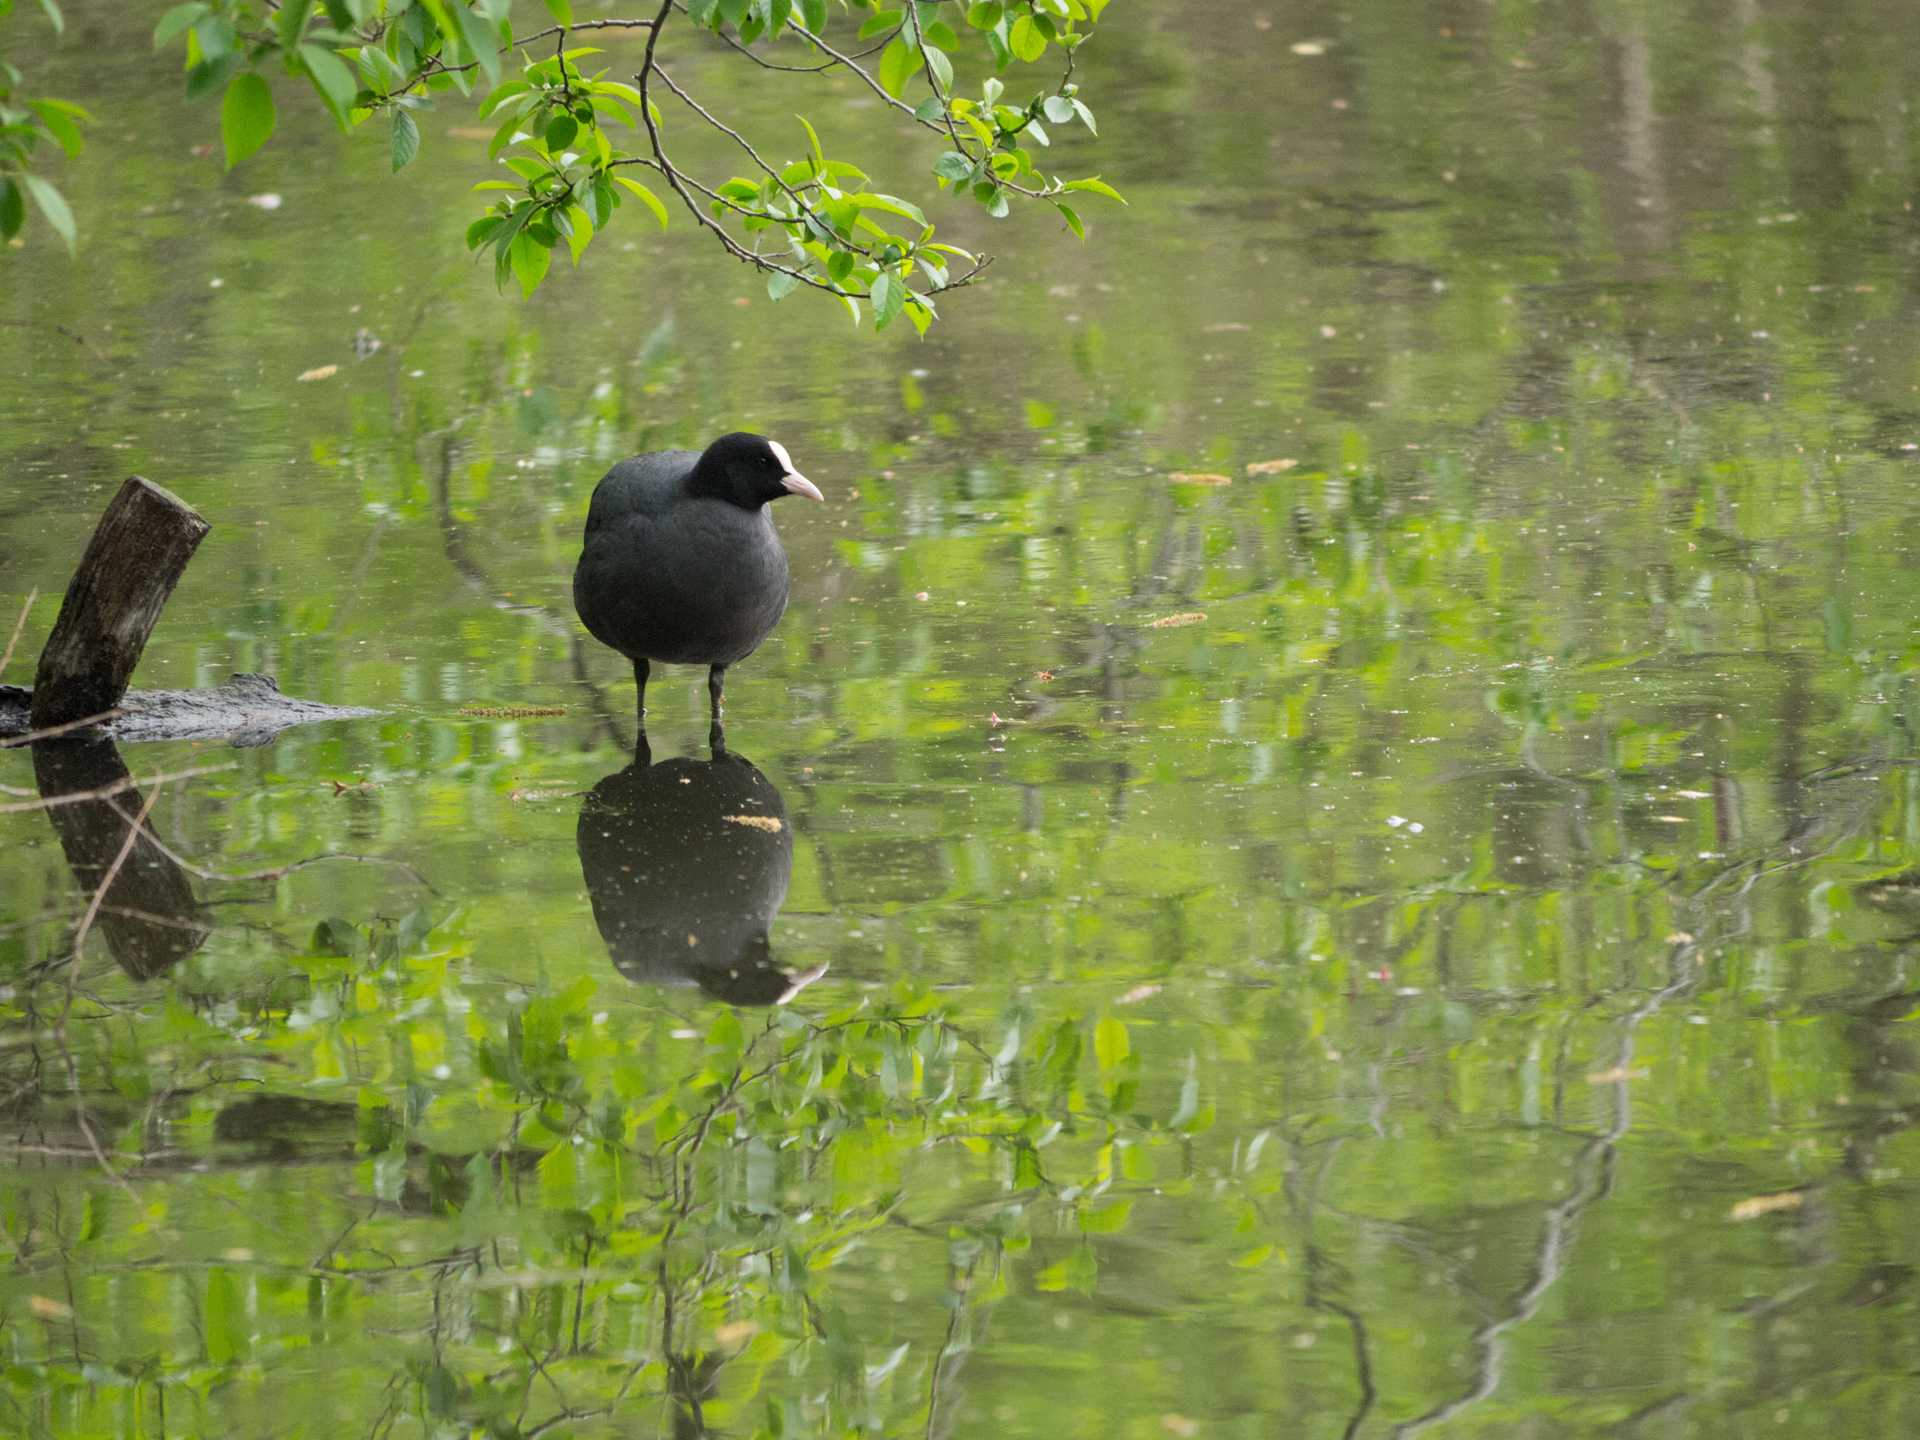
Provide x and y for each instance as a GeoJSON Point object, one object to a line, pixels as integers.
{"type": "Point", "coordinates": [687, 862]}
{"type": "Point", "coordinates": [149, 914]}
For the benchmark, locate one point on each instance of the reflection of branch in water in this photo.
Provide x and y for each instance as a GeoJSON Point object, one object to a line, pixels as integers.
{"type": "Point", "coordinates": [1593, 1180]}
{"type": "Point", "coordinates": [953, 1352]}
{"type": "Point", "coordinates": [1317, 1297]}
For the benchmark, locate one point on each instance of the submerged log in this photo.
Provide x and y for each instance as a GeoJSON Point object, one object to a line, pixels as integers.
{"type": "Point", "coordinates": [137, 553]}
{"type": "Point", "coordinates": [244, 709]}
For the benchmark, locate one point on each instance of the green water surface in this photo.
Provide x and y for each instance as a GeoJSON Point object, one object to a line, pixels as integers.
{"type": "Point", "coordinates": [1412, 937]}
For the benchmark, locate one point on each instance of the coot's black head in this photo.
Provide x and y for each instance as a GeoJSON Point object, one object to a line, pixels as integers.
{"type": "Point", "coordinates": [749, 470]}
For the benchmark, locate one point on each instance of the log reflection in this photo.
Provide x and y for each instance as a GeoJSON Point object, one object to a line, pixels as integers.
{"type": "Point", "coordinates": [149, 914]}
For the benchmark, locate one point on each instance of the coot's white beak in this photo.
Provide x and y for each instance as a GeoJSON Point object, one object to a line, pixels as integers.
{"type": "Point", "coordinates": [793, 481]}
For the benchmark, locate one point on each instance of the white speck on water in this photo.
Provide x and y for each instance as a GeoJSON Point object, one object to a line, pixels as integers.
{"type": "Point", "coordinates": [267, 201]}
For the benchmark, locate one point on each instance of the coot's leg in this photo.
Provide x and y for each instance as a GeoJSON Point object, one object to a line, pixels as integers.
{"type": "Point", "coordinates": [716, 680]}
{"type": "Point", "coordinates": [640, 669]}
{"type": "Point", "coordinates": [717, 738]}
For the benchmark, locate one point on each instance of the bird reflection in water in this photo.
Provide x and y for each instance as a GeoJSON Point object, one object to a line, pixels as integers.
{"type": "Point", "coordinates": [687, 862]}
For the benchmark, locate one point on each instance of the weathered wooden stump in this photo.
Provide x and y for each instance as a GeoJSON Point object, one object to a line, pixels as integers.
{"type": "Point", "coordinates": [136, 556]}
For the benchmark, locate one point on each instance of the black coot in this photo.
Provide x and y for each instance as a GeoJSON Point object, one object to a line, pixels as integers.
{"type": "Point", "coordinates": [681, 562]}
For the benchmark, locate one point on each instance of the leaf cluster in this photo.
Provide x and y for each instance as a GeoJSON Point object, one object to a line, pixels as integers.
{"type": "Point", "coordinates": [569, 139]}
{"type": "Point", "coordinates": [26, 123]}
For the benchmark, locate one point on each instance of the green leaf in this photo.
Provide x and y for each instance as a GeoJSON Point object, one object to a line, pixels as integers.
{"type": "Point", "coordinates": [781, 284]}
{"type": "Point", "coordinates": [892, 204]}
{"type": "Point", "coordinates": [560, 132]}
{"type": "Point", "coordinates": [1110, 1042]}
{"type": "Point", "coordinates": [941, 66]}
{"type": "Point", "coordinates": [1097, 186]}
{"type": "Point", "coordinates": [215, 36]}
{"type": "Point", "coordinates": [290, 22]}
{"type": "Point", "coordinates": [733, 12]}
{"type": "Point", "coordinates": [839, 266]}
{"type": "Point", "coordinates": [13, 209]}
{"type": "Point", "coordinates": [920, 314]}
{"type": "Point", "coordinates": [484, 41]}
{"type": "Point", "coordinates": [881, 22]}
{"type": "Point", "coordinates": [1086, 117]}
{"type": "Point", "coordinates": [561, 10]}
{"type": "Point", "coordinates": [406, 139]}
{"type": "Point", "coordinates": [53, 14]}
{"type": "Point", "coordinates": [331, 78]}
{"type": "Point", "coordinates": [483, 230]}
{"type": "Point", "coordinates": [1027, 40]}
{"type": "Point", "coordinates": [1058, 108]}
{"type": "Point", "coordinates": [59, 124]}
{"type": "Point", "coordinates": [1107, 1219]}
{"type": "Point", "coordinates": [246, 117]}
{"type": "Point", "coordinates": [1072, 218]}
{"type": "Point", "coordinates": [815, 12]}
{"type": "Point", "coordinates": [224, 1316]}
{"type": "Point", "coordinates": [177, 21]}
{"type": "Point", "coordinates": [813, 142]}
{"type": "Point", "coordinates": [889, 296]}
{"type": "Point", "coordinates": [530, 260]}
{"type": "Point", "coordinates": [954, 166]}
{"type": "Point", "coordinates": [647, 198]}
{"type": "Point", "coordinates": [897, 64]}
{"type": "Point", "coordinates": [985, 14]}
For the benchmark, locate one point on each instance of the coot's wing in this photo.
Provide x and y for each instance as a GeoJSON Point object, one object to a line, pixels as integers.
{"type": "Point", "coordinates": [646, 484]}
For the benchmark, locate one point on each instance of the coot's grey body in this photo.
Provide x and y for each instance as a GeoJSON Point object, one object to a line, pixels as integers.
{"type": "Point", "coordinates": [681, 563]}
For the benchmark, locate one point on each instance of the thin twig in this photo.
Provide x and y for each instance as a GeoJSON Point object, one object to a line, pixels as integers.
{"type": "Point", "coordinates": [99, 897]}
{"type": "Point", "coordinates": [53, 732]}
{"type": "Point", "coordinates": [274, 872]}
{"type": "Point", "coordinates": [18, 626]}
{"type": "Point", "coordinates": [116, 787]}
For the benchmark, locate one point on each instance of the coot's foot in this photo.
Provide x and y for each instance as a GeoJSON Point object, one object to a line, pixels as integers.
{"type": "Point", "coordinates": [640, 670]}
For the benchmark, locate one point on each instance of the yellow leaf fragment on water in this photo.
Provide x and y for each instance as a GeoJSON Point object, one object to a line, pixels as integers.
{"type": "Point", "coordinates": [736, 1332]}
{"type": "Point", "coordinates": [1137, 994]}
{"type": "Point", "coordinates": [1257, 1256]}
{"type": "Point", "coordinates": [1171, 622]}
{"type": "Point", "coordinates": [1271, 467]}
{"type": "Point", "coordinates": [1199, 477]}
{"type": "Point", "coordinates": [1671, 819]}
{"type": "Point", "coordinates": [1694, 794]}
{"type": "Point", "coordinates": [1179, 1425]}
{"type": "Point", "coordinates": [48, 1308]}
{"type": "Point", "coordinates": [1308, 47]}
{"type": "Point", "coordinates": [319, 372]}
{"type": "Point", "coordinates": [1615, 1075]}
{"type": "Point", "coordinates": [1758, 1205]}
{"type": "Point", "coordinates": [767, 823]}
